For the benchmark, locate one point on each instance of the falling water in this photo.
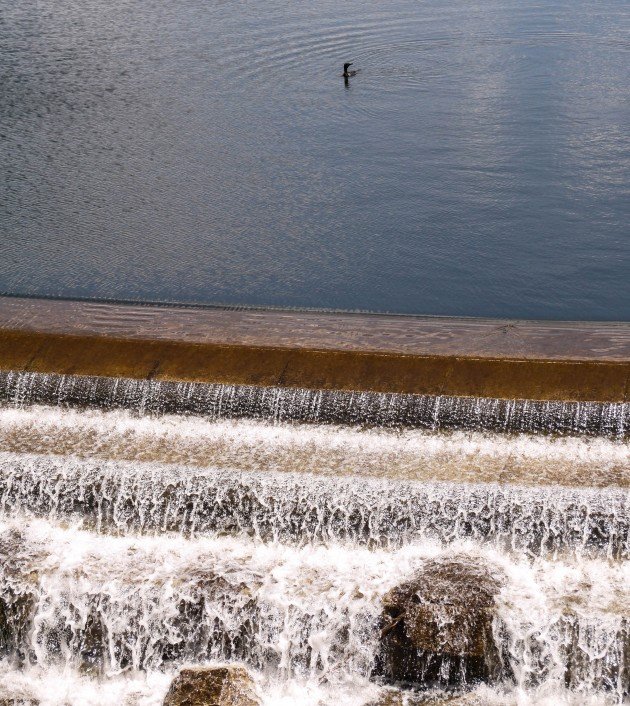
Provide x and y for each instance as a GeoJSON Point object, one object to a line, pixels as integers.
{"type": "Point", "coordinates": [317, 406]}
{"type": "Point", "coordinates": [148, 526]}
{"type": "Point", "coordinates": [124, 498]}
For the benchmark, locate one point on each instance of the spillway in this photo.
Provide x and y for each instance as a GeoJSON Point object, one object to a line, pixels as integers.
{"type": "Point", "coordinates": [115, 604]}
{"type": "Point", "coordinates": [149, 498]}
{"type": "Point", "coordinates": [146, 526]}
{"type": "Point", "coordinates": [219, 401]}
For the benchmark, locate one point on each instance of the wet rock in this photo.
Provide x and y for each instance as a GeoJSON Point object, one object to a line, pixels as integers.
{"type": "Point", "coordinates": [212, 686]}
{"type": "Point", "coordinates": [18, 597]}
{"type": "Point", "coordinates": [394, 697]}
{"type": "Point", "coordinates": [16, 609]}
{"type": "Point", "coordinates": [607, 668]}
{"type": "Point", "coordinates": [437, 627]}
{"type": "Point", "coordinates": [90, 645]}
{"type": "Point", "coordinates": [86, 628]}
{"type": "Point", "coordinates": [397, 697]}
{"type": "Point", "coordinates": [388, 697]}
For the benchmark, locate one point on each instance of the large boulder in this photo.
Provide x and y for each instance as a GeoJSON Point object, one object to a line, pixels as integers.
{"type": "Point", "coordinates": [437, 627]}
{"type": "Point", "coordinates": [212, 686]}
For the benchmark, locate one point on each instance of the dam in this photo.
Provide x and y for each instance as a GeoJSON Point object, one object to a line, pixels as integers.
{"type": "Point", "coordinates": [314, 383]}
{"type": "Point", "coordinates": [185, 487]}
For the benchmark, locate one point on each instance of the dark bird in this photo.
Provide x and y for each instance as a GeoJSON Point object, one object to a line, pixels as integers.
{"type": "Point", "coordinates": [346, 73]}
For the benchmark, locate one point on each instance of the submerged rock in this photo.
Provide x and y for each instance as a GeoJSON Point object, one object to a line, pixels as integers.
{"type": "Point", "coordinates": [437, 627]}
{"type": "Point", "coordinates": [212, 686]}
{"type": "Point", "coordinates": [18, 597]}
{"type": "Point", "coordinates": [606, 669]}
{"type": "Point", "coordinates": [85, 628]}
{"type": "Point", "coordinates": [397, 697]}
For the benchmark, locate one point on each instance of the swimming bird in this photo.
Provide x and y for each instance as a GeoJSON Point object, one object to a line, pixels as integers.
{"type": "Point", "coordinates": [346, 73]}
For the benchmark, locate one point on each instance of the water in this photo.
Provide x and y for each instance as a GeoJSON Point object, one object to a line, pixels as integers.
{"type": "Point", "coordinates": [386, 410]}
{"type": "Point", "coordinates": [202, 151]}
{"type": "Point", "coordinates": [115, 605]}
{"type": "Point", "coordinates": [134, 542]}
{"type": "Point", "coordinates": [124, 498]}
{"type": "Point", "coordinates": [323, 450]}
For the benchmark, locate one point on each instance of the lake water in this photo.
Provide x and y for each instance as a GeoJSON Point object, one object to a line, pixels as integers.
{"type": "Point", "coordinates": [211, 152]}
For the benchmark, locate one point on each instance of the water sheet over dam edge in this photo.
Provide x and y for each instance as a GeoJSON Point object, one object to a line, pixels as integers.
{"type": "Point", "coordinates": [582, 361]}
{"type": "Point", "coordinates": [277, 404]}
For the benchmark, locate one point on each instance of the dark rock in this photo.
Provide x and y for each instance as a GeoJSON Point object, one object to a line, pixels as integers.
{"type": "Point", "coordinates": [437, 627]}
{"type": "Point", "coordinates": [90, 645]}
{"type": "Point", "coordinates": [608, 671]}
{"type": "Point", "coordinates": [18, 598]}
{"type": "Point", "coordinates": [85, 629]}
{"type": "Point", "coordinates": [212, 686]}
{"type": "Point", "coordinates": [397, 697]}
{"type": "Point", "coordinates": [16, 610]}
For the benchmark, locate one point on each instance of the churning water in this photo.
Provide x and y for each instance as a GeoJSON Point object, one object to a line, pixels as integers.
{"type": "Point", "coordinates": [125, 604]}
{"type": "Point", "coordinates": [207, 151]}
{"type": "Point", "coordinates": [137, 540]}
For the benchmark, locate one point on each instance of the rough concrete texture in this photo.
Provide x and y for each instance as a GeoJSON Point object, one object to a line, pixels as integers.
{"type": "Point", "coordinates": [324, 330]}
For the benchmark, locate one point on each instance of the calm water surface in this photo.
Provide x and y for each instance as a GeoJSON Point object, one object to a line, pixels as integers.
{"type": "Point", "coordinates": [206, 151]}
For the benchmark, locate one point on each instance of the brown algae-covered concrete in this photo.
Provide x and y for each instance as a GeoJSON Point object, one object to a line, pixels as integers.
{"type": "Point", "coordinates": [407, 354]}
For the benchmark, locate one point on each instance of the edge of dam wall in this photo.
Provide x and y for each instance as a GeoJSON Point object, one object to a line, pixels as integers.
{"type": "Point", "coordinates": [579, 361]}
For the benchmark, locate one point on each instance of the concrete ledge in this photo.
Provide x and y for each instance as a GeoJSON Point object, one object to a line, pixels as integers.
{"type": "Point", "coordinates": [420, 355]}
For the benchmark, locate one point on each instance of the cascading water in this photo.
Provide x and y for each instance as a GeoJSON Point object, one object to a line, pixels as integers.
{"type": "Point", "coordinates": [149, 526]}
{"type": "Point", "coordinates": [317, 406]}
{"type": "Point", "coordinates": [124, 498]}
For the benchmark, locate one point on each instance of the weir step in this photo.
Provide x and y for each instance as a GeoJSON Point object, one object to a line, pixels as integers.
{"type": "Point", "coordinates": [125, 498]}
{"type": "Point", "coordinates": [105, 604]}
{"type": "Point", "coordinates": [387, 410]}
{"type": "Point", "coordinates": [348, 549]}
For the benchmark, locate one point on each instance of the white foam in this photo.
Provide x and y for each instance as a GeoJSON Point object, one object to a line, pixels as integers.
{"type": "Point", "coordinates": [314, 605]}
{"type": "Point", "coordinates": [316, 608]}
{"type": "Point", "coordinates": [251, 445]}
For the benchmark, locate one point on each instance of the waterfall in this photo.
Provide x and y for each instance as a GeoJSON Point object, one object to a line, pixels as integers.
{"type": "Point", "coordinates": [124, 498]}
{"type": "Point", "coordinates": [317, 406]}
{"type": "Point", "coordinates": [111, 604]}
{"type": "Point", "coordinates": [147, 526]}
